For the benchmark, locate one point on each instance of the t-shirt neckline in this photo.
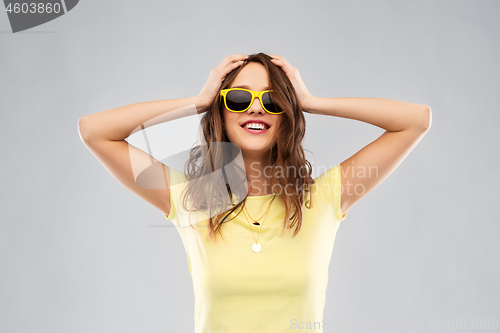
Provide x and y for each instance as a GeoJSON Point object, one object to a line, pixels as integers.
{"type": "Point", "coordinates": [257, 197]}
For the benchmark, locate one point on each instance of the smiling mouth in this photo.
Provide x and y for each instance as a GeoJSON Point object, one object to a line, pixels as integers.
{"type": "Point", "coordinates": [257, 127]}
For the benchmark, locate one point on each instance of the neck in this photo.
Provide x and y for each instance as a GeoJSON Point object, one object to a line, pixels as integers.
{"type": "Point", "coordinates": [255, 164]}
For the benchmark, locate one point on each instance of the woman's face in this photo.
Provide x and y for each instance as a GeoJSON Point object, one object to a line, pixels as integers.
{"type": "Point", "coordinates": [253, 76]}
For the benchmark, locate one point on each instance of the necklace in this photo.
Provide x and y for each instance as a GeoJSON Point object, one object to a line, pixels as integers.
{"type": "Point", "coordinates": [256, 247]}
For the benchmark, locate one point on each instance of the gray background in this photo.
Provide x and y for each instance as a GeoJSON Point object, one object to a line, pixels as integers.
{"type": "Point", "coordinates": [80, 253]}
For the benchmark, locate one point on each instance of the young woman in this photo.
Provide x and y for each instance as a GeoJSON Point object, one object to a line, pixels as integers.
{"type": "Point", "coordinates": [271, 271]}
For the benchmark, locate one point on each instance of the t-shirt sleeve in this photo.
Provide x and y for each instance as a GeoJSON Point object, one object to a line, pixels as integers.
{"type": "Point", "coordinates": [172, 214]}
{"type": "Point", "coordinates": [177, 178]}
{"type": "Point", "coordinates": [330, 188]}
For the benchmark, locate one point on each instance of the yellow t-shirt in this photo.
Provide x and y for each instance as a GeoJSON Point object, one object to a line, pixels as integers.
{"type": "Point", "coordinates": [282, 288]}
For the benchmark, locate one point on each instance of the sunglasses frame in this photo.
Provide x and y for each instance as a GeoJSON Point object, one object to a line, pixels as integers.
{"type": "Point", "coordinates": [258, 94]}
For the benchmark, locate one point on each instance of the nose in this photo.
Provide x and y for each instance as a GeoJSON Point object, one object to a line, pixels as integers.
{"type": "Point", "coordinates": [256, 107]}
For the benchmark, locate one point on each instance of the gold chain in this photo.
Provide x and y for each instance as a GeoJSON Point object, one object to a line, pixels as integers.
{"type": "Point", "coordinates": [267, 211]}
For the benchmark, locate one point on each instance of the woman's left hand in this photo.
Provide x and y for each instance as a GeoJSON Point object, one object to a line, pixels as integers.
{"type": "Point", "coordinates": [303, 95]}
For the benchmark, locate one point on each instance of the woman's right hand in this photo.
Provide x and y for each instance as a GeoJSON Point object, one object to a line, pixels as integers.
{"type": "Point", "coordinates": [217, 76]}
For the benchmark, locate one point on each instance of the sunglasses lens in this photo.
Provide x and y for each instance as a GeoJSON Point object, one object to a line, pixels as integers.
{"type": "Point", "coordinates": [269, 105]}
{"type": "Point", "coordinates": [238, 100]}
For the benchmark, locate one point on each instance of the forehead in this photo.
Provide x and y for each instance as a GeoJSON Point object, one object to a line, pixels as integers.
{"type": "Point", "coordinates": [253, 76]}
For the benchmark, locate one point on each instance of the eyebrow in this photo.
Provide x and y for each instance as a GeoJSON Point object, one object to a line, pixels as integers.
{"type": "Point", "coordinates": [247, 87]}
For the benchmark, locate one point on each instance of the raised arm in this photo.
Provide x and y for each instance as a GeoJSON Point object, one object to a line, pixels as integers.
{"type": "Point", "coordinates": [104, 133]}
{"type": "Point", "coordinates": [119, 123]}
{"type": "Point", "coordinates": [405, 125]}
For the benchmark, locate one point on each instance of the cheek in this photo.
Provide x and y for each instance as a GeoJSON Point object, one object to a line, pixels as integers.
{"type": "Point", "coordinates": [277, 125]}
{"type": "Point", "coordinates": [229, 121]}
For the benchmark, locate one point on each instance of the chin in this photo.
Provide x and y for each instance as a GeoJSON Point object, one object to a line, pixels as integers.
{"type": "Point", "coordinates": [254, 149]}
{"type": "Point", "coordinates": [249, 146]}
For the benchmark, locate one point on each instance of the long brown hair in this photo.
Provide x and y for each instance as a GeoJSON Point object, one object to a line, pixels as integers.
{"type": "Point", "coordinates": [286, 153]}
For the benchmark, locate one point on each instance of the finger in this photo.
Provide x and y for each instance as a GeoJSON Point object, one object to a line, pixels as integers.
{"type": "Point", "coordinates": [275, 56]}
{"type": "Point", "coordinates": [283, 65]}
{"type": "Point", "coordinates": [239, 62]}
{"type": "Point", "coordinates": [236, 57]}
{"type": "Point", "coordinates": [233, 65]}
{"type": "Point", "coordinates": [233, 58]}
{"type": "Point", "coordinates": [279, 58]}
{"type": "Point", "coordinates": [277, 62]}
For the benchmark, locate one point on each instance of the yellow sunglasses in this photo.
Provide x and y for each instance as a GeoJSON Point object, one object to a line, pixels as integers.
{"type": "Point", "coordinates": [240, 100]}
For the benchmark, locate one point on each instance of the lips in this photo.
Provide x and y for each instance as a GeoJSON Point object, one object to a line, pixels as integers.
{"type": "Point", "coordinates": [255, 121]}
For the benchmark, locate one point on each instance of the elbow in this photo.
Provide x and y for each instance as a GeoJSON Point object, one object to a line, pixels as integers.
{"type": "Point", "coordinates": [83, 129]}
{"type": "Point", "coordinates": [426, 117]}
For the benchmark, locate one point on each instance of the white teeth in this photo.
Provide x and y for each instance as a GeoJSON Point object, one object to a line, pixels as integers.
{"type": "Point", "coordinates": [255, 126]}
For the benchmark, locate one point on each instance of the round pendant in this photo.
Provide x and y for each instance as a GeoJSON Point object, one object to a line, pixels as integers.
{"type": "Point", "coordinates": [256, 247]}
{"type": "Point", "coordinates": [256, 223]}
